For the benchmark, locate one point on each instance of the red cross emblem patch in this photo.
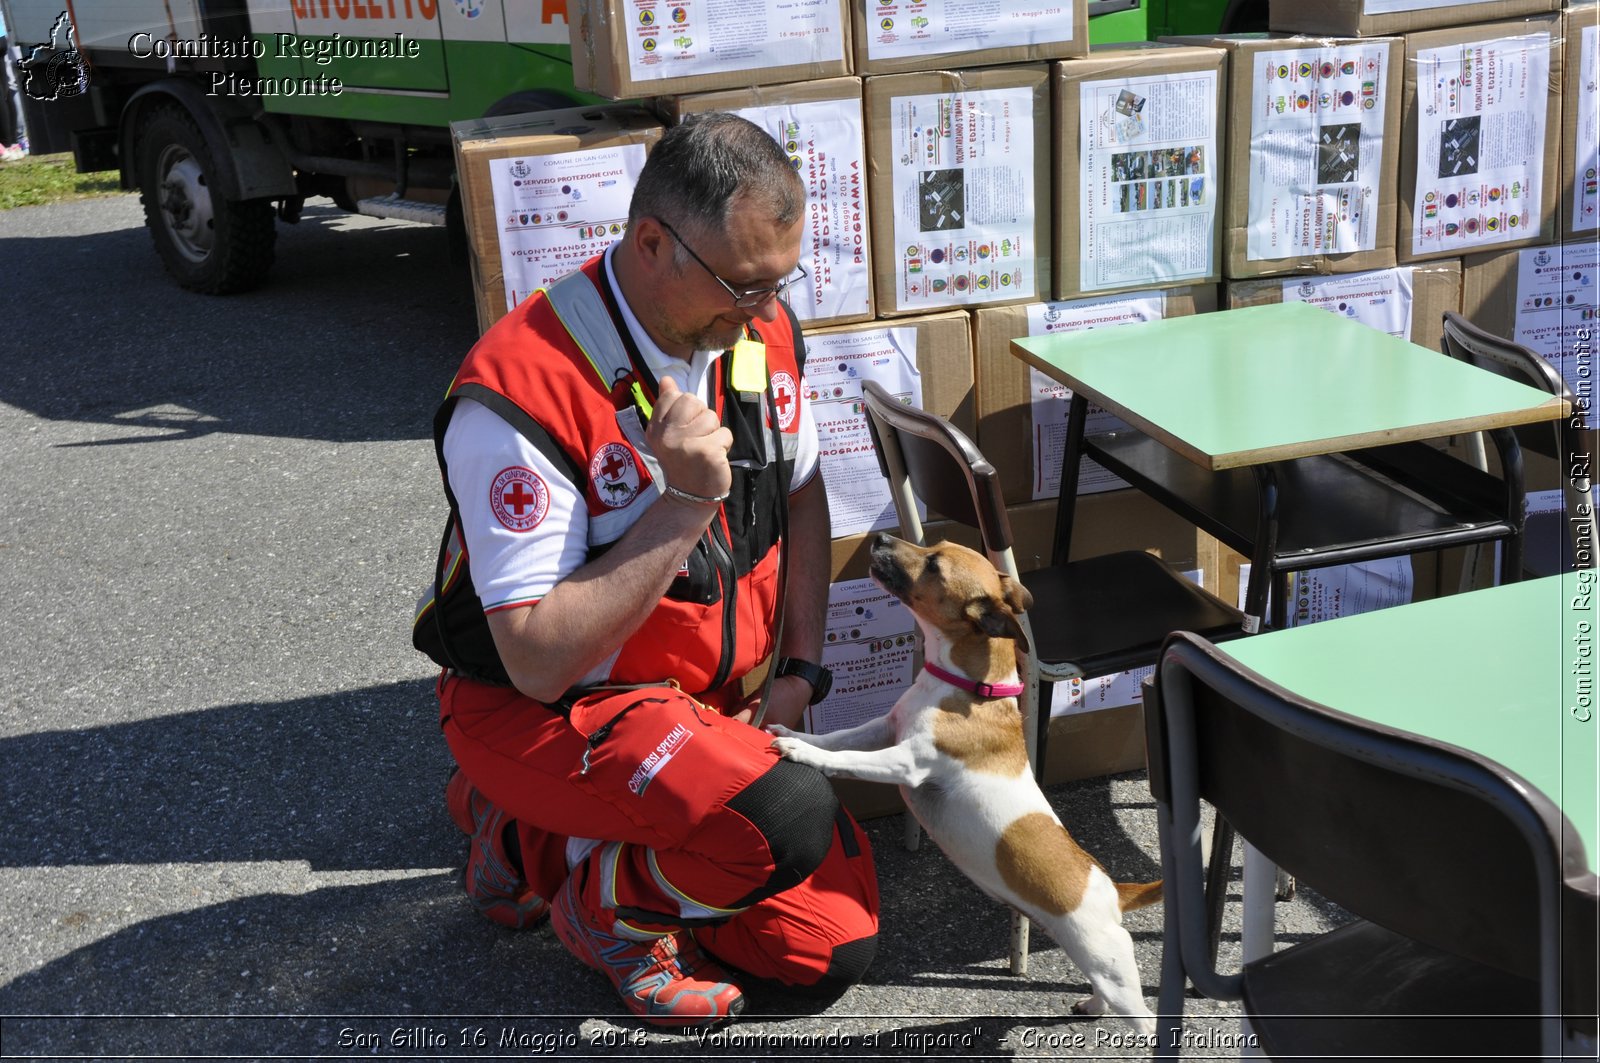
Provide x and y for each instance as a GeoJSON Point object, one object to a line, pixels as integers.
{"type": "Point", "coordinates": [519, 498]}
{"type": "Point", "coordinates": [615, 475]}
{"type": "Point", "coordinates": [786, 398]}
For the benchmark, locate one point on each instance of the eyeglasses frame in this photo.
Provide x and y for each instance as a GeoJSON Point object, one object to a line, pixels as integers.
{"type": "Point", "coordinates": [746, 300]}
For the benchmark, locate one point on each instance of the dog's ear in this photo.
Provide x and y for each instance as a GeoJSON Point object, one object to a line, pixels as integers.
{"type": "Point", "coordinates": [1015, 594]}
{"type": "Point", "coordinates": [995, 619]}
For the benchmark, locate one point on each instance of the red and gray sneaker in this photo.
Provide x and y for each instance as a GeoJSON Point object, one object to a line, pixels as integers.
{"type": "Point", "coordinates": [666, 981]}
{"type": "Point", "coordinates": [493, 883]}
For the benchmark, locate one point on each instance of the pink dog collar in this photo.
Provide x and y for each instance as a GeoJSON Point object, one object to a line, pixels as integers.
{"type": "Point", "coordinates": [983, 690]}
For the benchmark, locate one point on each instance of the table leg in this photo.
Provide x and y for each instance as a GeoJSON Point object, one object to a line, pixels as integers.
{"type": "Point", "coordinates": [1255, 599]}
{"type": "Point", "coordinates": [1260, 895]}
{"type": "Point", "coordinates": [1071, 463]}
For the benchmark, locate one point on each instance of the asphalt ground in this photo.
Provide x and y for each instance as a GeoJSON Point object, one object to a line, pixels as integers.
{"type": "Point", "coordinates": [223, 832]}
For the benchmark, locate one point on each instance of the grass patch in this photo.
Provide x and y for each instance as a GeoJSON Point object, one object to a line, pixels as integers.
{"type": "Point", "coordinates": [39, 179]}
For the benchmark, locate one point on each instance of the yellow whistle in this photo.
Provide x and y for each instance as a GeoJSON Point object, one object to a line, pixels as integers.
{"type": "Point", "coordinates": [749, 366]}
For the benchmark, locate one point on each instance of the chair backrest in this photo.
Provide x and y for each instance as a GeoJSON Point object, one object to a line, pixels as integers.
{"type": "Point", "coordinates": [1551, 549]}
{"type": "Point", "coordinates": [940, 465]}
{"type": "Point", "coordinates": [1424, 839]}
{"type": "Point", "coordinates": [1466, 342]}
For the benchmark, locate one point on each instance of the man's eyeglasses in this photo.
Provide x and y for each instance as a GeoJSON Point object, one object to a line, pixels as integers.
{"type": "Point", "coordinates": [746, 300]}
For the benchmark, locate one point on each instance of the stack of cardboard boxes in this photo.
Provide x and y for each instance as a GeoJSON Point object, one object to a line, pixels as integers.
{"type": "Point", "coordinates": [976, 173]}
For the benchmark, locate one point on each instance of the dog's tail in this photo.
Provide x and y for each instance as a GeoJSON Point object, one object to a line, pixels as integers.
{"type": "Point", "coordinates": [1131, 895]}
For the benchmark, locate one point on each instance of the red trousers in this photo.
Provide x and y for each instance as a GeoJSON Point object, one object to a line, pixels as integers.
{"type": "Point", "coordinates": [706, 835]}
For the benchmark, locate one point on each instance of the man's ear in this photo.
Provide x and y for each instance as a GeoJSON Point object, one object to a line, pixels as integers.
{"type": "Point", "coordinates": [995, 619]}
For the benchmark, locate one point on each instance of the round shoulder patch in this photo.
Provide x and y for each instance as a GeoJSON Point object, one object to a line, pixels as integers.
{"type": "Point", "coordinates": [786, 397]}
{"type": "Point", "coordinates": [615, 475]}
{"type": "Point", "coordinates": [519, 498]}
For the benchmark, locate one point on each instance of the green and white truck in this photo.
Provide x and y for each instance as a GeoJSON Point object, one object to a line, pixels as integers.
{"type": "Point", "coordinates": [227, 115]}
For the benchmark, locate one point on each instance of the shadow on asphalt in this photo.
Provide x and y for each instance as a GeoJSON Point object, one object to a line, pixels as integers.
{"type": "Point", "coordinates": [338, 780]}
{"type": "Point", "coordinates": [102, 335]}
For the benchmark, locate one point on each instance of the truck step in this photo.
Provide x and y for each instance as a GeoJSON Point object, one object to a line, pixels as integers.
{"type": "Point", "coordinates": [402, 209]}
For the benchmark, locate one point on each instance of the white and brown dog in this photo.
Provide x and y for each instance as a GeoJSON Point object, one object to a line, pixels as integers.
{"type": "Point", "coordinates": [954, 745]}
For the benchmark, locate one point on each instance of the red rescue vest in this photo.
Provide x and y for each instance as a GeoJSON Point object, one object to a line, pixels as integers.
{"type": "Point", "coordinates": [560, 369]}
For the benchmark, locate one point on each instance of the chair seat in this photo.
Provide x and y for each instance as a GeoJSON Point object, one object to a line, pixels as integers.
{"type": "Point", "coordinates": [1109, 613]}
{"type": "Point", "coordinates": [1395, 500]}
{"type": "Point", "coordinates": [1362, 992]}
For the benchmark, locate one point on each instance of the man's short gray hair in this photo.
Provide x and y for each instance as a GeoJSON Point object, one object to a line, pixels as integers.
{"type": "Point", "coordinates": [702, 165]}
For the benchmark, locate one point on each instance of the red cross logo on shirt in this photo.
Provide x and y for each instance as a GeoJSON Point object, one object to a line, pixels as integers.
{"type": "Point", "coordinates": [519, 499]}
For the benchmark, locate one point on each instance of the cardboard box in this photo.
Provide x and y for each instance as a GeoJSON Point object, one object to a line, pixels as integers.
{"type": "Point", "coordinates": [900, 36]}
{"type": "Point", "coordinates": [944, 356]}
{"type": "Point", "coordinates": [545, 192]}
{"type": "Point", "coordinates": [1311, 160]}
{"type": "Point", "coordinates": [1374, 297]}
{"type": "Point", "coordinates": [1578, 204]}
{"type": "Point", "coordinates": [1138, 138]}
{"type": "Point", "coordinates": [1478, 166]}
{"type": "Point", "coordinates": [820, 124]}
{"type": "Point", "coordinates": [648, 49]}
{"type": "Point", "coordinates": [1028, 456]}
{"type": "Point", "coordinates": [1545, 298]}
{"type": "Point", "coordinates": [1349, 18]}
{"type": "Point", "coordinates": [962, 217]}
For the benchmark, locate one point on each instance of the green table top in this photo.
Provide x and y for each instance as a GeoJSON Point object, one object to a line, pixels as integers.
{"type": "Point", "coordinates": [1270, 383]}
{"type": "Point", "coordinates": [1506, 672]}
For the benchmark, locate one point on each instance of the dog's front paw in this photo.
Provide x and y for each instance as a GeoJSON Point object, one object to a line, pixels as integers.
{"type": "Point", "coordinates": [778, 730]}
{"type": "Point", "coordinates": [797, 751]}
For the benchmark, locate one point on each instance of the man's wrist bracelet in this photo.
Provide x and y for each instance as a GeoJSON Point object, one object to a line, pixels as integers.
{"type": "Point", "coordinates": [690, 496]}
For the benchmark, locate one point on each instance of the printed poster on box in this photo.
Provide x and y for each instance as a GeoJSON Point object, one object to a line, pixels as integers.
{"type": "Point", "coordinates": [837, 364]}
{"type": "Point", "coordinates": [1052, 400]}
{"type": "Point", "coordinates": [869, 645]}
{"type": "Point", "coordinates": [913, 28]}
{"type": "Point", "coordinates": [1558, 304]}
{"type": "Point", "coordinates": [1586, 151]}
{"type": "Point", "coordinates": [1316, 150]}
{"type": "Point", "coordinates": [825, 143]}
{"type": "Point", "coordinates": [1380, 298]}
{"type": "Point", "coordinates": [963, 197]}
{"type": "Point", "coordinates": [557, 211]}
{"type": "Point", "coordinates": [1480, 143]}
{"type": "Point", "coordinates": [1148, 205]}
{"type": "Point", "coordinates": [683, 38]}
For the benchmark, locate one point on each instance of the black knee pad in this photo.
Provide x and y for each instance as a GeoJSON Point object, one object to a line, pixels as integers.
{"type": "Point", "coordinates": [794, 808]}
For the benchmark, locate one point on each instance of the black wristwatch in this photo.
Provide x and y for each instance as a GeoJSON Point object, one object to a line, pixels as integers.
{"type": "Point", "coordinates": [820, 678]}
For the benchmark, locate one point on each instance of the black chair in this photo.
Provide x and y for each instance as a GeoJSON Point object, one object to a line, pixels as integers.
{"type": "Point", "coordinates": [1093, 617]}
{"type": "Point", "coordinates": [1556, 541]}
{"type": "Point", "coordinates": [1456, 869]}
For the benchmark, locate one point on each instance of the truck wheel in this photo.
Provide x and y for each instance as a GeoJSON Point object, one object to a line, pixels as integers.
{"type": "Point", "coordinates": [209, 243]}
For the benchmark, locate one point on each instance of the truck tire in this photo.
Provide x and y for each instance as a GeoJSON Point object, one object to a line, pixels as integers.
{"type": "Point", "coordinates": [209, 243]}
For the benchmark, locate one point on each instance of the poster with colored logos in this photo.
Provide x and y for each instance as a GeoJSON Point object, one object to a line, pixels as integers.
{"type": "Point", "coordinates": [1557, 306]}
{"type": "Point", "coordinates": [1480, 143]}
{"type": "Point", "coordinates": [1342, 590]}
{"type": "Point", "coordinates": [898, 29]}
{"type": "Point", "coordinates": [1051, 399]}
{"type": "Point", "coordinates": [1380, 298]}
{"type": "Point", "coordinates": [964, 202]}
{"type": "Point", "coordinates": [869, 644]}
{"type": "Point", "coordinates": [1316, 150]}
{"type": "Point", "coordinates": [558, 211]}
{"type": "Point", "coordinates": [825, 143]}
{"type": "Point", "coordinates": [1585, 174]}
{"type": "Point", "coordinates": [681, 38]}
{"type": "Point", "coordinates": [836, 367]}
{"type": "Point", "coordinates": [1148, 180]}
